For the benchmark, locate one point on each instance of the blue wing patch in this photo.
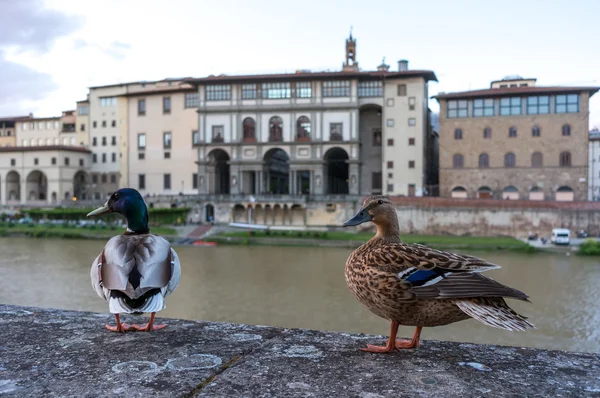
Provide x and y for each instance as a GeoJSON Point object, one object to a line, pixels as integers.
{"type": "Point", "coordinates": [425, 277]}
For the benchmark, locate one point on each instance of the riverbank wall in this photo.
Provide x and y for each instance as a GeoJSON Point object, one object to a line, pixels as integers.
{"type": "Point", "coordinates": [48, 352]}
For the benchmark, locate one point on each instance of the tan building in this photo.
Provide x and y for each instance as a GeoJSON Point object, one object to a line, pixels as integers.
{"type": "Point", "coordinates": [515, 140]}
{"type": "Point", "coordinates": [8, 129]}
{"type": "Point", "coordinates": [82, 123]}
{"type": "Point", "coordinates": [37, 131]}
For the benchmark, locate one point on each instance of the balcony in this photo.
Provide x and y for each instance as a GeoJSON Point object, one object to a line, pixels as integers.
{"type": "Point", "coordinates": [68, 128]}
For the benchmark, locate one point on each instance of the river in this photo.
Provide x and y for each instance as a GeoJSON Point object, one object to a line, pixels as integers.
{"type": "Point", "coordinates": [305, 288]}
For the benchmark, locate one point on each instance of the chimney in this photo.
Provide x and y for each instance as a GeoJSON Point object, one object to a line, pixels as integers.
{"type": "Point", "coordinates": [402, 65]}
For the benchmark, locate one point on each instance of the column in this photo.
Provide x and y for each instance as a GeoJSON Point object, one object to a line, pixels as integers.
{"type": "Point", "coordinates": [202, 179]}
{"type": "Point", "coordinates": [23, 191]}
{"type": "Point", "coordinates": [353, 183]}
{"type": "Point", "coordinates": [3, 193]}
{"type": "Point", "coordinates": [292, 180]}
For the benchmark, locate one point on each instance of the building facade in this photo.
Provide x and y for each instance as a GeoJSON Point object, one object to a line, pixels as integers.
{"type": "Point", "coordinates": [515, 140]}
{"type": "Point", "coordinates": [594, 165]}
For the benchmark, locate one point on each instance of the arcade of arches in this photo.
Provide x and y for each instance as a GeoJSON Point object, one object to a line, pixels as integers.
{"type": "Point", "coordinates": [270, 214]}
{"type": "Point", "coordinates": [35, 188]}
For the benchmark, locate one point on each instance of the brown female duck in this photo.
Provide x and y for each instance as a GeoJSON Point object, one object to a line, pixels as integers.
{"type": "Point", "coordinates": [414, 285]}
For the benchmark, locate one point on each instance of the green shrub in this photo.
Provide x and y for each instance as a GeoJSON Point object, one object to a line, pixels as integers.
{"type": "Point", "coordinates": [590, 247]}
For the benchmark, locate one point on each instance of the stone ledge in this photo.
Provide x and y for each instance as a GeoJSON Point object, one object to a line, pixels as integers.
{"type": "Point", "coordinates": [45, 352]}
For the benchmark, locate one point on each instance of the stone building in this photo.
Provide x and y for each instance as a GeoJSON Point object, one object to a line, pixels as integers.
{"type": "Point", "coordinates": [8, 129]}
{"type": "Point", "coordinates": [594, 165]}
{"type": "Point", "coordinates": [515, 140]}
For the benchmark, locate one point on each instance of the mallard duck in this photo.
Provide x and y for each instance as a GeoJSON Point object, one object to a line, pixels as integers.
{"type": "Point", "coordinates": [137, 270]}
{"type": "Point", "coordinates": [414, 285]}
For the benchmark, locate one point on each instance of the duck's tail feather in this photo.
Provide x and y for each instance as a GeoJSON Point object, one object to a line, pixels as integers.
{"type": "Point", "coordinates": [151, 301]}
{"type": "Point", "coordinates": [493, 311]}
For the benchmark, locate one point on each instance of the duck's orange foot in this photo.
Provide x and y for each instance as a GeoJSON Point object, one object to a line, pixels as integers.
{"type": "Point", "coordinates": [378, 348]}
{"type": "Point", "coordinates": [403, 344]}
{"type": "Point", "coordinates": [148, 327]}
{"type": "Point", "coordinates": [120, 327]}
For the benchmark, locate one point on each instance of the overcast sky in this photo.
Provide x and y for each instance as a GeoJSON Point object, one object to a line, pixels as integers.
{"type": "Point", "coordinates": [52, 50]}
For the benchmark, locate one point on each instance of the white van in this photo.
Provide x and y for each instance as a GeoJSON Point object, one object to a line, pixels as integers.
{"type": "Point", "coordinates": [561, 236]}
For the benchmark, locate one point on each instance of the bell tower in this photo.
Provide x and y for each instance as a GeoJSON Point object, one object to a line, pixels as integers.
{"type": "Point", "coordinates": [350, 64]}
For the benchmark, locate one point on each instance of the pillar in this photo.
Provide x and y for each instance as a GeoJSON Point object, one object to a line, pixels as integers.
{"type": "Point", "coordinates": [353, 176]}
{"type": "Point", "coordinates": [202, 179]}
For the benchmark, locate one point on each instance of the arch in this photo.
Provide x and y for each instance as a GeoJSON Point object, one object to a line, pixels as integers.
{"type": "Point", "coordinates": [565, 194]}
{"type": "Point", "coordinates": [459, 192]}
{"type": "Point", "coordinates": [337, 171]}
{"type": "Point", "coordinates": [81, 183]}
{"type": "Point", "coordinates": [277, 171]}
{"type": "Point", "coordinates": [565, 159]}
{"type": "Point", "coordinates": [68, 196]}
{"type": "Point", "coordinates": [537, 159]}
{"type": "Point", "coordinates": [258, 215]}
{"type": "Point", "coordinates": [485, 193]}
{"type": "Point", "coordinates": [277, 215]}
{"type": "Point", "coordinates": [510, 160]}
{"type": "Point", "coordinates": [303, 129]}
{"type": "Point", "coordinates": [267, 216]}
{"type": "Point", "coordinates": [249, 130]}
{"type": "Point", "coordinates": [510, 193]}
{"type": "Point", "coordinates": [536, 131]}
{"type": "Point", "coordinates": [484, 161]}
{"type": "Point", "coordinates": [458, 134]}
{"type": "Point", "coordinates": [566, 130]}
{"type": "Point", "coordinates": [218, 172]}
{"type": "Point", "coordinates": [458, 161]}
{"type": "Point", "coordinates": [209, 213]}
{"type": "Point", "coordinates": [297, 215]}
{"type": "Point", "coordinates": [536, 193]}
{"type": "Point", "coordinates": [13, 186]}
{"type": "Point", "coordinates": [54, 197]}
{"type": "Point", "coordinates": [239, 214]}
{"type": "Point", "coordinates": [36, 186]}
{"type": "Point", "coordinates": [275, 129]}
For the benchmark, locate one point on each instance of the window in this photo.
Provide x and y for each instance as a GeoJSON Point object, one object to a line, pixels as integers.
{"type": "Point", "coordinates": [103, 178]}
{"type": "Point", "coordinates": [376, 137]}
{"type": "Point", "coordinates": [412, 121]}
{"type": "Point", "coordinates": [113, 123]}
{"type": "Point", "coordinates": [82, 128]}
{"type": "Point", "coordinates": [36, 161]}
{"type": "Point", "coordinates": [390, 187]}
{"type": "Point", "coordinates": [103, 158]}
{"type": "Point", "coordinates": [192, 100]}
{"type": "Point", "coordinates": [248, 91]}
{"type": "Point", "coordinates": [53, 161]}
{"type": "Point", "coordinates": [94, 158]}
{"type": "Point", "coordinates": [249, 130]}
{"type": "Point", "coordinates": [401, 90]}
{"type": "Point", "coordinates": [458, 134]}
{"type": "Point", "coordinates": [166, 105]}
{"type": "Point", "coordinates": [376, 181]}
{"type": "Point", "coordinates": [94, 124]}
{"type": "Point", "coordinates": [83, 110]}
{"type": "Point", "coordinates": [141, 181]}
{"type": "Point", "coordinates": [113, 178]}
{"type": "Point", "coordinates": [411, 164]}
{"type": "Point", "coordinates": [566, 103]}
{"type": "Point", "coordinates": [113, 140]}
{"type": "Point", "coordinates": [95, 178]}
{"type": "Point", "coordinates": [483, 107]}
{"type": "Point", "coordinates": [411, 141]}
{"type": "Point", "coordinates": [458, 108]}
{"type": "Point", "coordinates": [218, 92]}
{"type": "Point", "coordinates": [141, 156]}
{"type": "Point", "coordinates": [32, 125]}
{"type": "Point", "coordinates": [537, 159]}
{"type": "Point", "coordinates": [275, 129]}
{"type": "Point", "coordinates": [167, 139]}
{"type": "Point", "coordinates": [303, 129]}
{"type": "Point", "coordinates": [41, 125]}
{"type": "Point", "coordinates": [276, 90]}
{"type": "Point", "coordinates": [370, 89]}
{"type": "Point", "coordinates": [411, 189]}
{"type": "Point", "coordinates": [108, 101]}
{"type": "Point", "coordinates": [510, 160]}
{"type": "Point", "coordinates": [141, 107]}
{"type": "Point", "coordinates": [484, 161]}
{"type": "Point", "coordinates": [390, 175]}
{"type": "Point", "coordinates": [536, 131]}
{"type": "Point", "coordinates": [512, 132]}
{"type": "Point", "coordinates": [67, 161]}
{"type": "Point", "coordinates": [510, 106]}
{"type": "Point", "coordinates": [538, 105]}
{"type": "Point", "coordinates": [141, 140]}
{"type": "Point", "coordinates": [167, 181]}
{"type": "Point", "coordinates": [104, 123]}
{"type": "Point", "coordinates": [412, 103]}
{"type": "Point", "coordinates": [566, 130]}
{"type": "Point", "coordinates": [336, 88]}
{"type": "Point", "coordinates": [390, 164]}
{"type": "Point", "coordinates": [94, 141]}
{"type": "Point", "coordinates": [195, 137]}
{"type": "Point", "coordinates": [303, 90]}
{"type": "Point", "coordinates": [13, 162]}
{"type": "Point", "coordinates": [81, 162]}
{"type": "Point", "coordinates": [195, 181]}
{"type": "Point", "coordinates": [390, 142]}
{"type": "Point", "coordinates": [113, 157]}
{"type": "Point", "coordinates": [487, 133]}
{"type": "Point", "coordinates": [103, 141]}
{"type": "Point", "coordinates": [167, 155]}
{"type": "Point", "coordinates": [218, 134]}
{"type": "Point", "coordinates": [565, 159]}
{"type": "Point", "coordinates": [335, 132]}
{"type": "Point", "coordinates": [458, 161]}
{"type": "Point", "coordinates": [390, 122]}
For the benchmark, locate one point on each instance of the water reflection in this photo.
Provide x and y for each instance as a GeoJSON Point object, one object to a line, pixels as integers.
{"type": "Point", "coordinates": [305, 288]}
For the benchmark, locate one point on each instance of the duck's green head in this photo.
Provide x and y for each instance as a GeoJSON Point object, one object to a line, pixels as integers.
{"type": "Point", "coordinates": [129, 203]}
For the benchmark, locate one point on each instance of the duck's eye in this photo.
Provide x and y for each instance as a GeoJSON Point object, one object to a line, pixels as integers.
{"type": "Point", "coordinates": [380, 201]}
{"type": "Point", "coordinates": [116, 196]}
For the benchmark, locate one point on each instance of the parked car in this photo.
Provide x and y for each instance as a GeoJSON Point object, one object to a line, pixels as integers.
{"type": "Point", "coordinates": [561, 236]}
{"type": "Point", "coordinates": [582, 234]}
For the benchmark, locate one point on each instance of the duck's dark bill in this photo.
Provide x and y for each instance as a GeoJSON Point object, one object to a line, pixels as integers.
{"type": "Point", "coordinates": [100, 210]}
{"type": "Point", "coordinates": [362, 217]}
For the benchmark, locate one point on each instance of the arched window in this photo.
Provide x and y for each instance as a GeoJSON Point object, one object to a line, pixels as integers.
{"type": "Point", "coordinates": [458, 134]}
{"type": "Point", "coordinates": [565, 159]}
{"type": "Point", "coordinates": [249, 127]}
{"type": "Point", "coordinates": [487, 133]}
{"type": "Point", "coordinates": [537, 159]}
{"type": "Point", "coordinates": [459, 192]}
{"type": "Point", "coordinates": [275, 129]}
{"type": "Point", "coordinates": [536, 131]}
{"type": "Point", "coordinates": [510, 160]}
{"type": "Point", "coordinates": [484, 161]}
{"type": "Point", "coordinates": [303, 129]}
{"type": "Point", "coordinates": [458, 161]}
{"type": "Point", "coordinates": [566, 129]}
{"type": "Point", "coordinates": [512, 132]}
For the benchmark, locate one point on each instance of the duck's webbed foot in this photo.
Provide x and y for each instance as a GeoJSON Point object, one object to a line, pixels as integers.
{"type": "Point", "coordinates": [120, 327]}
{"type": "Point", "coordinates": [150, 326]}
{"type": "Point", "coordinates": [412, 343]}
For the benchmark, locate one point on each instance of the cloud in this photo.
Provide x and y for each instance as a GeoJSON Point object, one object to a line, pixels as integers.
{"type": "Point", "coordinates": [116, 50]}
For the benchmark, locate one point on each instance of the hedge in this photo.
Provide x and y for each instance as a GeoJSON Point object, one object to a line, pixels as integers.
{"type": "Point", "coordinates": [157, 215]}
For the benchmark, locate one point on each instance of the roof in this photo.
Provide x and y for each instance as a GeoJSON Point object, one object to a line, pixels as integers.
{"type": "Point", "coordinates": [511, 91]}
{"type": "Point", "coordinates": [594, 135]}
{"type": "Point", "coordinates": [168, 79]}
{"type": "Point", "coordinates": [44, 148]}
{"type": "Point", "coordinates": [83, 101]}
{"type": "Point", "coordinates": [160, 90]}
{"type": "Point", "coordinates": [370, 75]}
{"type": "Point", "coordinates": [15, 118]}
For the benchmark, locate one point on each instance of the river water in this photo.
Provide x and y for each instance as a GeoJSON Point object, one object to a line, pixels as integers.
{"type": "Point", "coordinates": [305, 288]}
